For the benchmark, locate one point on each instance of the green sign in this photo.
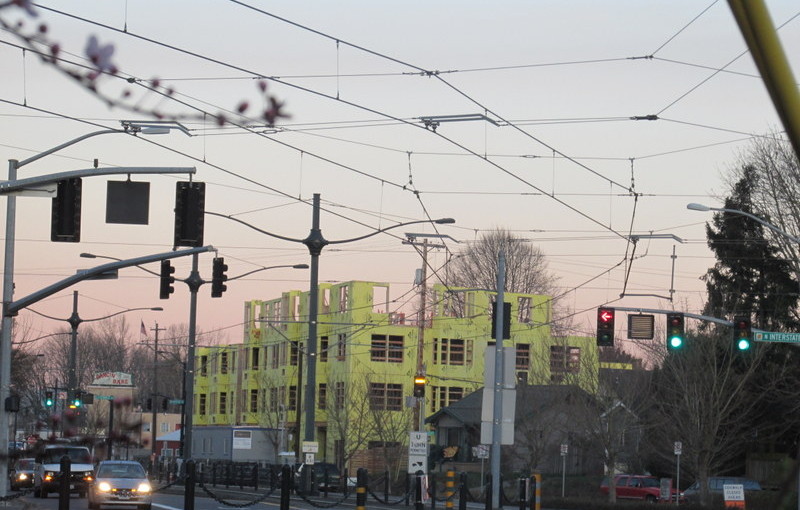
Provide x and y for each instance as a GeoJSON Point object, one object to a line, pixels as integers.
{"type": "Point", "coordinates": [176, 401]}
{"type": "Point", "coordinates": [772, 336]}
{"type": "Point", "coordinates": [104, 397]}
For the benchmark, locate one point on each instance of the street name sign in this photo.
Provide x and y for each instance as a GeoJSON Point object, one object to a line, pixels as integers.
{"type": "Point", "coordinates": [773, 336]}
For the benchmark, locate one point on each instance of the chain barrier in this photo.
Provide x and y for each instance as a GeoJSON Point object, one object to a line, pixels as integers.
{"type": "Point", "coordinates": [170, 484]}
{"type": "Point", "coordinates": [225, 502]}
{"type": "Point", "coordinates": [386, 501]}
{"type": "Point", "coordinates": [451, 497]}
{"type": "Point", "coordinates": [320, 504]}
{"type": "Point", "coordinates": [11, 497]}
{"type": "Point", "coordinates": [482, 493]}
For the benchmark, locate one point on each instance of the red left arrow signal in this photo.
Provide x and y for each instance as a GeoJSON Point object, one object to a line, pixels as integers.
{"type": "Point", "coordinates": [606, 315]}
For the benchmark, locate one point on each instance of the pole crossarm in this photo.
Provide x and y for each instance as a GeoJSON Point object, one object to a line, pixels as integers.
{"type": "Point", "coordinates": [14, 307]}
{"type": "Point", "coordinates": [18, 185]}
{"type": "Point", "coordinates": [697, 316]}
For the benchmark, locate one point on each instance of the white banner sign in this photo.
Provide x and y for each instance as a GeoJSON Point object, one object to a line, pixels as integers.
{"type": "Point", "coordinates": [112, 379]}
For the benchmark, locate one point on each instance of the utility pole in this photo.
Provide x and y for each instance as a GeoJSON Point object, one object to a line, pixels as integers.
{"type": "Point", "coordinates": [153, 394]}
{"type": "Point", "coordinates": [423, 297]}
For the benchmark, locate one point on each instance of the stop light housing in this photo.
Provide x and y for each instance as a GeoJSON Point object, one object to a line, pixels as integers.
{"type": "Point", "coordinates": [419, 385]}
{"type": "Point", "coordinates": [148, 406]}
{"type": "Point", "coordinates": [166, 280]}
{"type": "Point", "coordinates": [164, 404]}
{"type": "Point", "coordinates": [605, 327]}
{"type": "Point", "coordinates": [190, 208]}
{"type": "Point", "coordinates": [77, 400]}
{"type": "Point", "coordinates": [506, 320]}
{"type": "Point", "coordinates": [65, 216]}
{"type": "Point", "coordinates": [218, 277]}
{"type": "Point", "coordinates": [675, 331]}
{"type": "Point", "coordinates": [742, 333]}
{"type": "Point", "coordinates": [48, 398]}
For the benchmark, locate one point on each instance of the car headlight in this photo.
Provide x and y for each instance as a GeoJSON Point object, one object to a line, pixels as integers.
{"type": "Point", "coordinates": [144, 487]}
{"type": "Point", "coordinates": [22, 476]}
{"type": "Point", "coordinates": [104, 487]}
{"type": "Point", "coordinates": [48, 476]}
{"type": "Point", "coordinates": [88, 476]}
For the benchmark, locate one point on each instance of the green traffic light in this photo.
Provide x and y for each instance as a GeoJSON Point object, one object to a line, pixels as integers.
{"type": "Point", "coordinates": [676, 342]}
{"type": "Point", "coordinates": [48, 403]}
{"type": "Point", "coordinates": [743, 344]}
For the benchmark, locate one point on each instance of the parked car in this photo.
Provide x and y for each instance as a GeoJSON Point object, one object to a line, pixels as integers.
{"type": "Point", "coordinates": [47, 473]}
{"type": "Point", "coordinates": [120, 483]}
{"type": "Point", "coordinates": [21, 474]}
{"type": "Point", "coordinates": [641, 487]}
{"type": "Point", "coordinates": [715, 484]}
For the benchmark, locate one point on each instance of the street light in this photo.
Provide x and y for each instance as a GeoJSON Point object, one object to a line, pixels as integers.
{"type": "Point", "coordinates": [129, 128]}
{"type": "Point", "coordinates": [74, 321]}
{"type": "Point", "coordinates": [705, 208]}
{"type": "Point", "coordinates": [315, 242]}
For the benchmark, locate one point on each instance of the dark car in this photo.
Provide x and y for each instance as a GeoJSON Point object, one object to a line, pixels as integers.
{"type": "Point", "coordinates": [327, 477]}
{"type": "Point", "coordinates": [21, 474]}
{"type": "Point", "coordinates": [120, 483]}
{"type": "Point", "coordinates": [640, 487]}
{"type": "Point", "coordinates": [716, 483]}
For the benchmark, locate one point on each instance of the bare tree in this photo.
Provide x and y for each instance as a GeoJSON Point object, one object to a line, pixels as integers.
{"type": "Point", "coordinates": [704, 396]}
{"type": "Point", "coordinates": [526, 272]}
{"type": "Point", "coordinates": [349, 417]}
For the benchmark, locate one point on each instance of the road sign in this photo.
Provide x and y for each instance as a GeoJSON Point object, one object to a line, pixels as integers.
{"type": "Point", "coordinates": [310, 447]}
{"type": "Point", "coordinates": [564, 450]}
{"type": "Point", "coordinates": [481, 451]}
{"type": "Point", "coordinates": [418, 452]}
{"type": "Point", "coordinates": [678, 447]}
{"type": "Point", "coordinates": [176, 401]}
{"type": "Point", "coordinates": [641, 327]}
{"type": "Point", "coordinates": [773, 336]}
{"type": "Point", "coordinates": [309, 459]}
{"type": "Point", "coordinates": [104, 397]}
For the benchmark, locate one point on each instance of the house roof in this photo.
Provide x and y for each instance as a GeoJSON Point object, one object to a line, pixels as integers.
{"type": "Point", "coordinates": [529, 398]}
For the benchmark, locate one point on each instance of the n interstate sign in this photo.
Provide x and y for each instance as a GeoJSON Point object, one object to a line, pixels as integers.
{"type": "Point", "coordinates": [772, 336]}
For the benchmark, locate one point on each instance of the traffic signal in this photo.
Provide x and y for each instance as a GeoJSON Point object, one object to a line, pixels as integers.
{"type": "Point", "coordinates": [65, 216]}
{"type": "Point", "coordinates": [48, 399]}
{"type": "Point", "coordinates": [742, 333]}
{"type": "Point", "coordinates": [190, 208]}
{"type": "Point", "coordinates": [166, 279]}
{"type": "Point", "coordinates": [164, 404]}
{"type": "Point", "coordinates": [419, 385]}
{"type": "Point", "coordinates": [77, 400]}
{"type": "Point", "coordinates": [218, 277]}
{"type": "Point", "coordinates": [148, 404]}
{"type": "Point", "coordinates": [675, 331]}
{"type": "Point", "coordinates": [605, 327]}
{"type": "Point", "coordinates": [506, 320]}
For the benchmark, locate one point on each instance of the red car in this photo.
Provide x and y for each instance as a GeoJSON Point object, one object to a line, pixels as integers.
{"type": "Point", "coordinates": [641, 487]}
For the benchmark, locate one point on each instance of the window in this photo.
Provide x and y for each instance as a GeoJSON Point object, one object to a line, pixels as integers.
{"type": "Point", "coordinates": [223, 363]}
{"type": "Point", "coordinates": [443, 396]}
{"type": "Point", "coordinates": [294, 352]}
{"type": "Point", "coordinates": [253, 401]}
{"type": "Point", "coordinates": [523, 310]}
{"type": "Point", "coordinates": [223, 402]}
{"type": "Point", "coordinates": [254, 361]}
{"type": "Point", "coordinates": [274, 355]}
{"type": "Point", "coordinates": [202, 404]}
{"type": "Point", "coordinates": [323, 349]}
{"type": "Point", "coordinates": [452, 351]}
{"type": "Point", "coordinates": [387, 348]}
{"type": "Point", "coordinates": [339, 394]}
{"type": "Point", "coordinates": [164, 427]}
{"type": "Point", "coordinates": [564, 360]}
{"type": "Point", "coordinates": [385, 396]}
{"type": "Point", "coordinates": [344, 298]}
{"type": "Point", "coordinates": [322, 395]}
{"type": "Point", "coordinates": [342, 350]}
{"type": "Point", "coordinates": [204, 365]}
{"type": "Point", "coordinates": [273, 399]}
{"type": "Point", "coordinates": [523, 357]}
{"type": "Point", "coordinates": [292, 398]}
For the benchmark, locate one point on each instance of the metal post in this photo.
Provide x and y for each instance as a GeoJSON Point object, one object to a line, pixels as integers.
{"type": "Point", "coordinates": [5, 332]}
{"type": "Point", "coordinates": [74, 321]}
{"type": "Point", "coordinates": [499, 377]}
{"type": "Point", "coordinates": [314, 242]}
{"type": "Point", "coordinates": [361, 489]}
{"type": "Point", "coordinates": [153, 393]}
{"type": "Point", "coordinates": [110, 438]}
{"type": "Point", "coordinates": [563, 474]}
{"type": "Point", "coordinates": [678, 480]}
{"type": "Point", "coordinates": [63, 487]}
{"type": "Point", "coordinates": [194, 281]}
{"type": "Point", "coordinates": [418, 410]}
{"type": "Point", "coordinates": [188, 490]}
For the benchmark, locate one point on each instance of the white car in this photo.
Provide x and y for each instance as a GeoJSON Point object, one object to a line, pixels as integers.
{"type": "Point", "coordinates": [120, 483]}
{"type": "Point", "coordinates": [47, 473]}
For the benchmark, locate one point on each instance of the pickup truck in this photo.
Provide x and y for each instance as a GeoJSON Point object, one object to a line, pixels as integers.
{"type": "Point", "coordinates": [47, 473]}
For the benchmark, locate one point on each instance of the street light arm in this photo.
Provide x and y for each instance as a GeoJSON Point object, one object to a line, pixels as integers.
{"type": "Point", "coordinates": [67, 144]}
{"type": "Point", "coordinates": [262, 231]}
{"type": "Point", "coordinates": [153, 309]}
{"type": "Point", "coordinates": [295, 266]}
{"type": "Point", "coordinates": [47, 316]}
{"type": "Point", "coordinates": [701, 207]}
{"type": "Point", "coordinates": [93, 256]}
{"type": "Point", "coordinates": [440, 221]}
